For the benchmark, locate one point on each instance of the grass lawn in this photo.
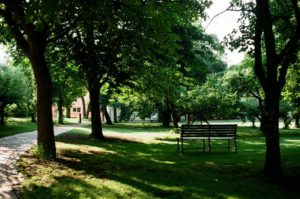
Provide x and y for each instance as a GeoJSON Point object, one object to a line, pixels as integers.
{"type": "Point", "coordinates": [142, 162]}
{"type": "Point", "coordinates": [16, 125]}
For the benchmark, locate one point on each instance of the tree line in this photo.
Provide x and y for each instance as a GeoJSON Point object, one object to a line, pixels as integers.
{"type": "Point", "coordinates": [155, 49]}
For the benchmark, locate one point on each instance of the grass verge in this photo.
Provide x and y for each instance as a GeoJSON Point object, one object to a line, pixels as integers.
{"type": "Point", "coordinates": [16, 125]}
{"type": "Point", "coordinates": [137, 162]}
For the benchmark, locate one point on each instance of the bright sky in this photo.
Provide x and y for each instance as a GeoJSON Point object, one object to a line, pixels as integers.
{"type": "Point", "coordinates": [223, 25]}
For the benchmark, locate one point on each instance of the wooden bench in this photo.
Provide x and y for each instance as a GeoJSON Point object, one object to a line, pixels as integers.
{"type": "Point", "coordinates": [207, 133]}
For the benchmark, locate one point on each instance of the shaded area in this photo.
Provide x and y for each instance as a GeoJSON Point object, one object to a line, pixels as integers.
{"type": "Point", "coordinates": [126, 168]}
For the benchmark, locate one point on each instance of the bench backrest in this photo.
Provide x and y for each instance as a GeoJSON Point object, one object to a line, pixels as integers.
{"type": "Point", "coordinates": [213, 130]}
{"type": "Point", "coordinates": [223, 130]}
{"type": "Point", "coordinates": [195, 130]}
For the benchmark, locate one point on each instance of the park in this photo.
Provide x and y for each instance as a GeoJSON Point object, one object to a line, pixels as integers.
{"type": "Point", "coordinates": [135, 99]}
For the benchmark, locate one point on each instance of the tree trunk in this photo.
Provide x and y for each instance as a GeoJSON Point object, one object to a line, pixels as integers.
{"type": "Point", "coordinates": [270, 117]}
{"type": "Point", "coordinates": [107, 118]}
{"type": "Point", "coordinates": [2, 122]}
{"type": "Point", "coordinates": [85, 114]}
{"type": "Point", "coordinates": [34, 43]}
{"type": "Point", "coordinates": [88, 110]}
{"type": "Point", "coordinates": [115, 115]}
{"type": "Point", "coordinates": [297, 115]}
{"type": "Point", "coordinates": [31, 108]}
{"type": "Point", "coordinates": [176, 119]}
{"type": "Point", "coordinates": [60, 110]}
{"type": "Point", "coordinates": [44, 103]}
{"type": "Point", "coordinates": [68, 113]}
{"type": "Point", "coordinates": [95, 110]}
{"type": "Point", "coordinates": [165, 117]}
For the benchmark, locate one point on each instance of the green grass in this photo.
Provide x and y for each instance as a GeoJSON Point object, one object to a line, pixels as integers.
{"type": "Point", "coordinates": [16, 125]}
{"type": "Point", "coordinates": [142, 162]}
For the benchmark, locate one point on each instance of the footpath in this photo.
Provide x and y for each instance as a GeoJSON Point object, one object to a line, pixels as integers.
{"type": "Point", "coordinates": [11, 148]}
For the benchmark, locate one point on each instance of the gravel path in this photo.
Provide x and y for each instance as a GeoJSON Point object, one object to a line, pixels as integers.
{"type": "Point", "coordinates": [11, 148]}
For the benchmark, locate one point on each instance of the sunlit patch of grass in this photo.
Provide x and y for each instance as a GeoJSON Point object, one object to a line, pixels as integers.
{"type": "Point", "coordinates": [17, 125]}
{"type": "Point", "coordinates": [146, 165]}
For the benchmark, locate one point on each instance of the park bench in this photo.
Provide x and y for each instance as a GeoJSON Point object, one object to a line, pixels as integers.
{"type": "Point", "coordinates": [207, 133]}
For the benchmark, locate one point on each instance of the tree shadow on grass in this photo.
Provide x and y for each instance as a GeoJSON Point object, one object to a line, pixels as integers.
{"type": "Point", "coordinates": [68, 187]}
{"type": "Point", "coordinates": [159, 171]}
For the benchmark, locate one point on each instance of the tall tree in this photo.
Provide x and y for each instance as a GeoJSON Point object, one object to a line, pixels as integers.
{"type": "Point", "coordinates": [26, 22]}
{"type": "Point", "coordinates": [274, 33]}
{"type": "Point", "coordinates": [112, 39]}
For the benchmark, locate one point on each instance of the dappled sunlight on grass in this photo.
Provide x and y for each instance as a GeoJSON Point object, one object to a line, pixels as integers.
{"type": "Point", "coordinates": [146, 165]}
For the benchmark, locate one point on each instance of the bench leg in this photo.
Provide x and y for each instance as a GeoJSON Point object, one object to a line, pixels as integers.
{"type": "Point", "coordinates": [235, 145]}
{"type": "Point", "coordinates": [228, 145]}
{"type": "Point", "coordinates": [181, 145]}
{"type": "Point", "coordinates": [209, 145]}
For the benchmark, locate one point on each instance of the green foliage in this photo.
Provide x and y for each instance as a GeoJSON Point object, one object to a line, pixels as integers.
{"type": "Point", "coordinates": [211, 100]}
{"type": "Point", "coordinates": [250, 110]}
{"type": "Point", "coordinates": [13, 90]}
{"type": "Point", "coordinates": [285, 113]}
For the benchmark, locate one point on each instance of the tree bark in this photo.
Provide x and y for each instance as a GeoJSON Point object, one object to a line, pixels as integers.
{"type": "Point", "coordinates": [44, 103]}
{"type": "Point", "coordinates": [107, 118]}
{"type": "Point", "coordinates": [34, 43]}
{"type": "Point", "coordinates": [68, 112]}
{"type": "Point", "coordinates": [297, 115]}
{"type": "Point", "coordinates": [60, 110]}
{"type": "Point", "coordinates": [2, 121]}
{"type": "Point", "coordinates": [270, 115]}
{"type": "Point", "coordinates": [176, 119]}
{"type": "Point", "coordinates": [165, 117]}
{"type": "Point", "coordinates": [94, 90]}
{"type": "Point", "coordinates": [115, 115]}
{"type": "Point", "coordinates": [88, 110]}
{"type": "Point", "coordinates": [85, 114]}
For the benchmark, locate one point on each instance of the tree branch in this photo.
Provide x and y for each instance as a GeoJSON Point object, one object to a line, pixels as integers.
{"type": "Point", "coordinates": [13, 26]}
{"type": "Point", "coordinates": [258, 66]}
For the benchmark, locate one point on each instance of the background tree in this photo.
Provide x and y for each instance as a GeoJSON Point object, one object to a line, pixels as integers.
{"type": "Point", "coordinates": [68, 82]}
{"type": "Point", "coordinates": [291, 92]}
{"type": "Point", "coordinates": [13, 88]}
{"type": "Point", "coordinates": [112, 40]}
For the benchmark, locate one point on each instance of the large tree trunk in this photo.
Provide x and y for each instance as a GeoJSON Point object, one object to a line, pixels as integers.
{"type": "Point", "coordinates": [165, 117]}
{"type": "Point", "coordinates": [94, 90]}
{"type": "Point", "coordinates": [44, 103]}
{"type": "Point", "coordinates": [270, 117]}
{"type": "Point", "coordinates": [33, 43]}
{"type": "Point", "coordinates": [85, 114]}
{"type": "Point", "coordinates": [60, 110]}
